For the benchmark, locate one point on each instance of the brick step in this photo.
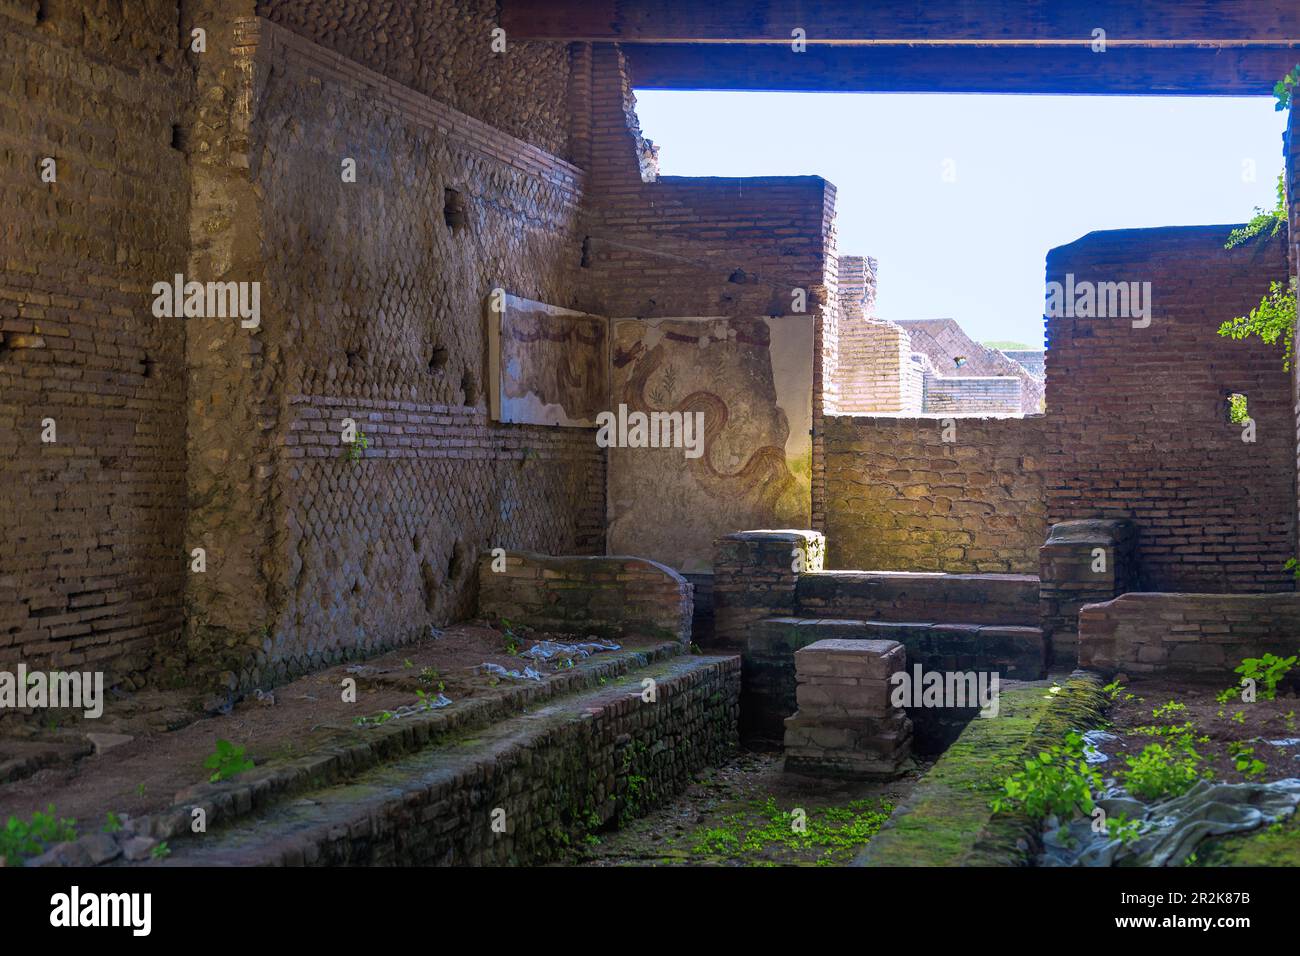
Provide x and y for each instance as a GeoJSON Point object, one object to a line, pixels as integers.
{"type": "Point", "coordinates": [558, 771]}
{"type": "Point", "coordinates": [902, 596]}
{"type": "Point", "coordinates": [1012, 650]}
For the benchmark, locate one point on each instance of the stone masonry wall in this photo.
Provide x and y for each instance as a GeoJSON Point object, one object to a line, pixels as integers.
{"type": "Point", "coordinates": [1214, 513]}
{"type": "Point", "coordinates": [1182, 633]}
{"type": "Point", "coordinates": [616, 597]}
{"type": "Point", "coordinates": [902, 499]}
{"type": "Point", "coordinates": [92, 563]}
{"type": "Point", "coordinates": [373, 309]}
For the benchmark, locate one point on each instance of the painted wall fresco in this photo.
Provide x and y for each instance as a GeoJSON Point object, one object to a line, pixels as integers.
{"type": "Point", "coordinates": [751, 382]}
{"type": "Point", "coordinates": [546, 365]}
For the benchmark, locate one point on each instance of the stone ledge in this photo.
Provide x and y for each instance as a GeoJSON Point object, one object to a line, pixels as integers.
{"type": "Point", "coordinates": [947, 821]}
{"type": "Point", "coordinates": [556, 772]}
{"type": "Point", "coordinates": [353, 751]}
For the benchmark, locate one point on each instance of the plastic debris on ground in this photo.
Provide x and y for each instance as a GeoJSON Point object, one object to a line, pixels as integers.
{"type": "Point", "coordinates": [528, 673]}
{"type": "Point", "coordinates": [1092, 741]}
{"type": "Point", "coordinates": [555, 650]}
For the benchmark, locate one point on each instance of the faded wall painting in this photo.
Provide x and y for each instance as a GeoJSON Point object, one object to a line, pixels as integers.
{"type": "Point", "coordinates": [546, 365]}
{"type": "Point", "coordinates": [748, 382]}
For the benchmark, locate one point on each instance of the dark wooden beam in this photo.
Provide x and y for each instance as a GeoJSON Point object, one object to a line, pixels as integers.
{"type": "Point", "coordinates": [1127, 70]}
{"type": "Point", "coordinates": [1268, 22]}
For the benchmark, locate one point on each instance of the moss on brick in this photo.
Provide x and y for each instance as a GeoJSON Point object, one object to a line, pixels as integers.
{"type": "Point", "coordinates": [948, 820]}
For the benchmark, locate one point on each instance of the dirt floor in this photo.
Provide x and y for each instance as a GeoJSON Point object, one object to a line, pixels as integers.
{"type": "Point", "coordinates": [1238, 741]}
{"type": "Point", "coordinates": [744, 814]}
{"type": "Point", "coordinates": [170, 738]}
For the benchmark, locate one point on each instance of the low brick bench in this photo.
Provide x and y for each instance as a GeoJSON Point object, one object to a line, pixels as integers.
{"type": "Point", "coordinates": [845, 725]}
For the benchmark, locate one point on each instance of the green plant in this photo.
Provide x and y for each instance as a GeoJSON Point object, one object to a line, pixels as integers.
{"type": "Point", "coordinates": [1270, 221]}
{"type": "Point", "coordinates": [1113, 690]}
{"type": "Point", "coordinates": [1244, 759]}
{"type": "Point", "coordinates": [1273, 320]}
{"type": "Point", "coordinates": [763, 827]}
{"type": "Point", "coordinates": [1284, 88]}
{"type": "Point", "coordinates": [375, 721]}
{"type": "Point", "coordinates": [1269, 670]}
{"type": "Point", "coordinates": [1058, 782]}
{"type": "Point", "coordinates": [1237, 411]}
{"type": "Point", "coordinates": [512, 639]}
{"type": "Point", "coordinates": [1168, 710]}
{"type": "Point", "coordinates": [226, 762]}
{"type": "Point", "coordinates": [428, 701]}
{"type": "Point", "coordinates": [1226, 695]}
{"type": "Point", "coordinates": [21, 839]}
{"type": "Point", "coordinates": [1166, 730]}
{"type": "Point", "coordinates": [356, 448]}
{"type": "Point", "coordinates": [161, 851]}
{"type": "Point", "coordinates": [429, 678]}
{"type": "Point", "coordinates": [113, 824]}
{"type": "Point", "coordinates": [1164, 769]}
{"type": "Point", "coordinates": [1124, 829]}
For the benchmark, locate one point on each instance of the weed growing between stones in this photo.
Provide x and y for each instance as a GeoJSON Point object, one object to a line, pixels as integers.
{"type": "Point", "coordinates": [765, 830]}
{"type": "Point", "coordinates": [226, 762]}
{"type": "Point", "coordinates": [21, 839]}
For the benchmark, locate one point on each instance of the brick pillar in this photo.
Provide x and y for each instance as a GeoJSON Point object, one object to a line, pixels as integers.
{"type": "Point", "coordinates": [754, 577]}
{"type": "Point", "coordinates": [1072, 573]}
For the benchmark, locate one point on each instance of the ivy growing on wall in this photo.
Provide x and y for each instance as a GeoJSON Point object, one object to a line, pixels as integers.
{"type": "Point", "coordinates": [1273, 320]}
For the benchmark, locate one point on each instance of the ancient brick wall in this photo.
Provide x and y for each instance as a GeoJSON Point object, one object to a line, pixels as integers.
{"type": "Point", "coordinates": [91, 554]}
{"type": "Point", "coordinates": [616, 597]}
{"type": "Point", "coordinates": [1214, 513]}
{"type": "Point", "coordinates": [966, 395]}
{"type": "Point", "coordinates": [1212, 633]}
{"type": "Point", "coordinates": [943, 342]}
{"type": "Point", "coordinates": [373, 310]}
{"type": "Point", "coordinates": [443, 49]}
{"type": "Point", "coordinates": [688, 247]}
{"type": "Point", "coordinates": [874, 369]}
{"type": "Point", "coordinates": [900, 498]}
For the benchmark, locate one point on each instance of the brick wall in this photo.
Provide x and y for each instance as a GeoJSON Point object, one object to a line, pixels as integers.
{"type": "Point", "coordinates": [616, 597]}
{"type": "Point", "coordinates": [902, 499]}
{"type": "Point", "coordinates": [943, 341]}
{"type": "Point", "coordinates": [373, 310]}
{"type": "Point", "coordinates": [687, 247]}
{"type": "Point", "coordinates": [1139, 416]}
{"type": "Point", "coordinates": [1034, 360]}
{"type": "Point", "coordinates": [443, 49]}
{"type": "Point", "coordinates": [874, 369]}
{"type": "Point", "coordinates": [91, 553]}
{"type": "Point", "coordinates": [969, 396]}
{"type": "Point", "coordinates": [1187, 633]}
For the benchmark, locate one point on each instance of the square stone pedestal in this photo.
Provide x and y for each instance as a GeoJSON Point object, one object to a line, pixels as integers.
{"type": "Point", "coordinates": [845, 725]}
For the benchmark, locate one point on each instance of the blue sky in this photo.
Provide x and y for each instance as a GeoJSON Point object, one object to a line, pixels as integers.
{"type": "Point", "coordinates": [1031, 172]}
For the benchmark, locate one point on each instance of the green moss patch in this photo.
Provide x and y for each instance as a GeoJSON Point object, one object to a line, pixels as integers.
{"type": "Point", "coordinates": [948, 821]}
